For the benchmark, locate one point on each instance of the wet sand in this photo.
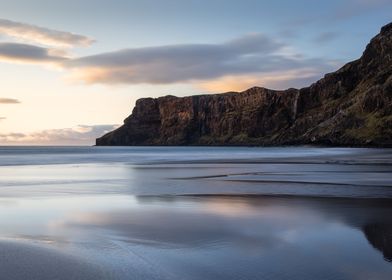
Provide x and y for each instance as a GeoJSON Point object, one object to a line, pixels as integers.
{"type": "Point", "coordinates": [21, 261]}
{"type": "Point", "coordinates": [203, 237]}
{"type": "Point", "coordinates": [128, 214]}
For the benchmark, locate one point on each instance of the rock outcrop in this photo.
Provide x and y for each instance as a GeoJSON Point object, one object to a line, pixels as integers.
{"type": "Point", "coordinates": [380, 237]}
{"type": "Point", "coordinates": [350, 107]}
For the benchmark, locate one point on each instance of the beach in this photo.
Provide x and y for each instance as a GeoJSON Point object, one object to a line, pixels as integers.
{"type": "Point", "coordinates": [195, 213]}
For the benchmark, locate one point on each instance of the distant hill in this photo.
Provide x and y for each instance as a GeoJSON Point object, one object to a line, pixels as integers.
{"type": "Point", "coordinates": [350, 107]}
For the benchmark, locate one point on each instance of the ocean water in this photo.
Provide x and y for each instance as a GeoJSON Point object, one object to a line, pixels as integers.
{"type": "Point", "coordinates": [195, 213]}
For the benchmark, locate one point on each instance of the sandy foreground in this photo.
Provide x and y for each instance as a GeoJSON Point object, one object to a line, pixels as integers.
{"type": "Point", "coordinates": [195, 213]}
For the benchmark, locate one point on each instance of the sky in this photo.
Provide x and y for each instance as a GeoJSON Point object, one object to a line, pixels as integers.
{"type": "Point", "coordinates": [72, 70]}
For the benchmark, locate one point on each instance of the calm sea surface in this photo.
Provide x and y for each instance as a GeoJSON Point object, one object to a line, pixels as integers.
{"type": "Point", "coordinates": [195, 213]}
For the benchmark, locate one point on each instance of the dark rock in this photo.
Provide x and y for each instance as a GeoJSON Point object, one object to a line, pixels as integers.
{"type": "Point", "coordinates": [350, 107]}
{"type": "Point", "coordinates": [380, 237]}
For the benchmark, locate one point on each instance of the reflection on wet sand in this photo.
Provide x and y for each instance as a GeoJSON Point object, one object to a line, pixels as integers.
{"type": "Point", "coordinates": [195, 213]}
{"type": "Point", "coordinates": [380, 236]}
{"type": "Point", "coordinates": [215, 237]}
{"type": "Point", "coordinates": [20, 261]}
{"type": "Point", "coordinates": [209, 237]}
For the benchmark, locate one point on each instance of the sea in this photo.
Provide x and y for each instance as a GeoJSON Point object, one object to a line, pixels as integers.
{"type": "Point", "coordinates": [195, 213]}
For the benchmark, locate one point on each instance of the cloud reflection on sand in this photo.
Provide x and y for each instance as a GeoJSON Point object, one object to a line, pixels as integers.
{"type": "Point", "coordinates": [138, 213]}
{"type": "Point", "coordinates": [252, 230]}
{"type": "Point", "coordinates": [196, 237]}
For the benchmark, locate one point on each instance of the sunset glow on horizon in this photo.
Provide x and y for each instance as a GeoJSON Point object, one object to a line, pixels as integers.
{"type": "Point", "coordinates": [73, 71]}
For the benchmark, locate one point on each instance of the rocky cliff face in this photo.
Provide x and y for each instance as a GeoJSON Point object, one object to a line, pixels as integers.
{"type": "Point", "coordinates": [350, 107]}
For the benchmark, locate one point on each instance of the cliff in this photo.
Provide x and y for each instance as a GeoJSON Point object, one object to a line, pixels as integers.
{"type": "Point", "coordinates": [350, 107]}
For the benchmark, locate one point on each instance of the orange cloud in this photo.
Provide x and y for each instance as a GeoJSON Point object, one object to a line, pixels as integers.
{"type": "Point", "coordinates": [276, 80]}
{"type": "Point", "coordinates": [8, 101]}
{"type": "Point", "coordinates": [42, 35]}
{"type": "Point", "coordinates": [79, 135]}
{"type": "Point", "coordinates": [90, 75]}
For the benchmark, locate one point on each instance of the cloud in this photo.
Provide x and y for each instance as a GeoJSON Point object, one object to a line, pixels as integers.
{"type": "Point", "coordinates": [276, 80]}
{"type": "Point", "coordinates": [254, 54]}
{"type": "Point", "coordinates": [41, 35]}
{"type": "Point", "coordinates": [339, 11]}
{"type": "Point", "coordinates": [24, 53]}
{"type": "Point", "coordinates": [79, 135]}
{"type": "Point", "coordinates": [2, 118]}
{"type": "Point", "coordinates": [8, 101]}
{"type": "Point", "coordinates": [326, 37]}
{"type": "Point", "coordinates": [350, 8]}
{"type": "Point", "coordinates": [254, 57]}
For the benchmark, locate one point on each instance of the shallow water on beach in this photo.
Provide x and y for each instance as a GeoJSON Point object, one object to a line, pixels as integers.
{"type": "Point", "coordinates": [195, 213]}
